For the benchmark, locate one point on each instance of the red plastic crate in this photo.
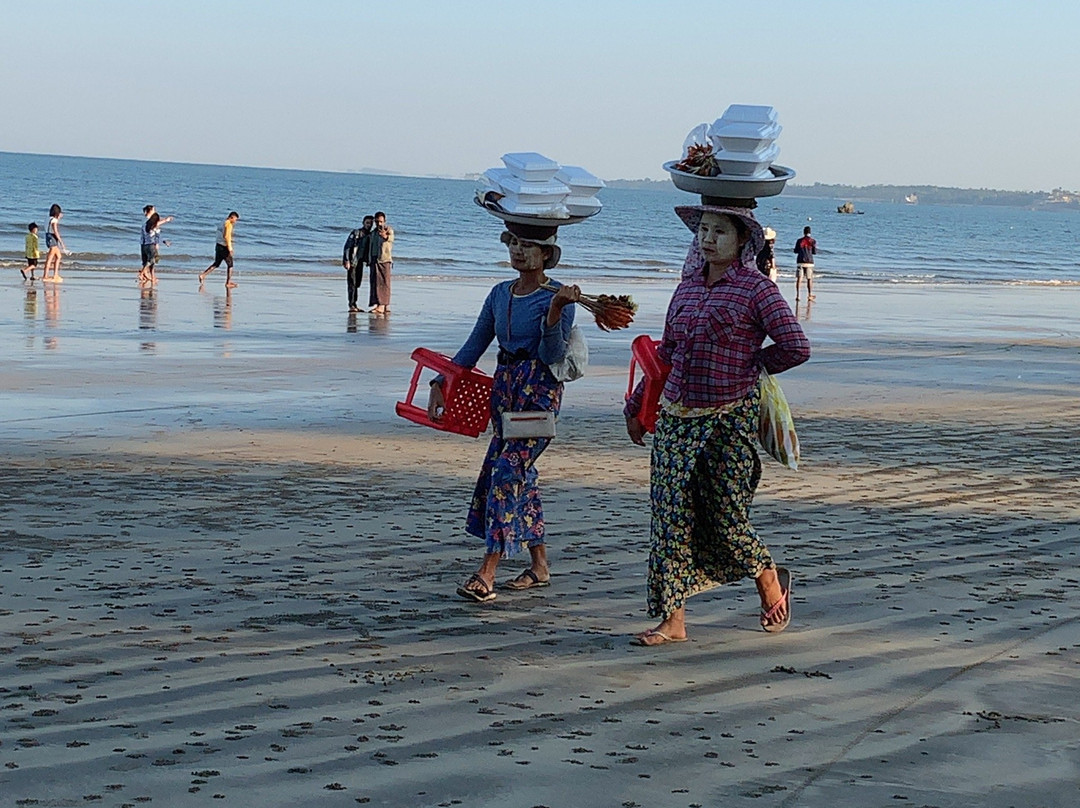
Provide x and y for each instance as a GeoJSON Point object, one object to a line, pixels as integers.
{"type": "Point", "coordinates": [467, 392]}
{"type": "Point", "coordinates": [643, 355]}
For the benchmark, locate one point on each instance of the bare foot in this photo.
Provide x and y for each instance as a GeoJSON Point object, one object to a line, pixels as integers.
{"type": "Point", "coordinates": [230, 286]}
{"type": "Point", "coordinates": [811, 297]}
{"type": "Point", "coordinates": [202, 277]}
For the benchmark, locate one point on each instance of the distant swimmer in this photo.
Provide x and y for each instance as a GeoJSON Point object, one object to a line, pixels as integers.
{"type": "Point", "coordinates": [223, 251]}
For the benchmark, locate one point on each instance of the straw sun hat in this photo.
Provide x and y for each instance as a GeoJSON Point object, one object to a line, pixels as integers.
{"type": "Point", "coordinates": [691, 217]}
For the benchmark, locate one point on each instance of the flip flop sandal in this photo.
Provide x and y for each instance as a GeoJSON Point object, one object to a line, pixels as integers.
{"type": "Point", "coordinates": [527, 580]}
{"type": "Point", "coordinates": [767, 616]}
{"type": "Point", "coordinates": [479, 594]}
{"type": "Point", "coordinates": [664, 639]}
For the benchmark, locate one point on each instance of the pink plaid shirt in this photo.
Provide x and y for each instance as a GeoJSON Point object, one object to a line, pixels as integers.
{"type": "Point", "coordinates": [713, 336]}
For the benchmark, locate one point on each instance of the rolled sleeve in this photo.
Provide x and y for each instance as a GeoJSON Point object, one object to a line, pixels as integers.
{"type": "Point", "coordinates": [790, 346]}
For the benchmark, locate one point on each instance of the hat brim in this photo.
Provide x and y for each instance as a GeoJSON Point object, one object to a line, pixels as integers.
{"type": "Point", "coordinates": [691, 217]}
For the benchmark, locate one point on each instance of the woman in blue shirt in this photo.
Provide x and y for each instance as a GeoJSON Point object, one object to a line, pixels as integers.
{"type": "Point", "coordinates": [532, 325]}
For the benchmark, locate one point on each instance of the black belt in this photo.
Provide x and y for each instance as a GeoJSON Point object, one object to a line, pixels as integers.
{"type": "Point", "coordinates": [509, 357]}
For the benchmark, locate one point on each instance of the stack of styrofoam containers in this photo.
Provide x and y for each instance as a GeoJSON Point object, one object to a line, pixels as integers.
{"type": "Point", "coordinates": [744, 140]}
{"type": "Point", "coordinates": [583, 189]}
{"type": "Point", "coordinates": [528, 185]}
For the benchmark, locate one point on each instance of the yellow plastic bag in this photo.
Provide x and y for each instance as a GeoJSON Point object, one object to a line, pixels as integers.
{"type": "Point", "coordinates": [776, 428]}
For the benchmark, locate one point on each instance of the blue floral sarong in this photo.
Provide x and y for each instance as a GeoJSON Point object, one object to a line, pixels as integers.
{"type": "Point", "coordinates": [506, 510]}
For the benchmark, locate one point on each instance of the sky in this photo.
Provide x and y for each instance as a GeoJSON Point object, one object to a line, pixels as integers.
{"type": "Point", "coordinates": [968, 93]}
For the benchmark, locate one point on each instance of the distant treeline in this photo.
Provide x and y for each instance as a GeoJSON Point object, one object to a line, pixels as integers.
{"type": "Point", "coordinates": [927, 194]}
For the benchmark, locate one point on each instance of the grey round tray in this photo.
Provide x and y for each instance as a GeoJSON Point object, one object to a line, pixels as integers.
{"type": "Point", "coordinates": [519, 218]}
{"type": "Point", "coordinates": [731, 185]}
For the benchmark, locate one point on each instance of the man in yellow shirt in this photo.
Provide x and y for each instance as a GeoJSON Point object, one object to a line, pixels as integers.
{"type": "Point", "coordinates": [223, 251]}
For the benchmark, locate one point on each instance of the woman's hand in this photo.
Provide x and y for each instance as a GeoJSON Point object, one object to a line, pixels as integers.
{"type": "Point", "coordinates": [436, 404]}
{"type": "Point", "coordinates": [635, 430]}
{"type": "Point", "coordinates": [563, 297]}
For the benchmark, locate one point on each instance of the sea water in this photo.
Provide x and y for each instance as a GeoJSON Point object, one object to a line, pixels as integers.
{"type": "Point", "coordinates": [295, 223]}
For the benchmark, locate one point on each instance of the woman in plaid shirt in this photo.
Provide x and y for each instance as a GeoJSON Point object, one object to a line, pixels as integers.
{"type": "Point", "coordinates": [705, 467]}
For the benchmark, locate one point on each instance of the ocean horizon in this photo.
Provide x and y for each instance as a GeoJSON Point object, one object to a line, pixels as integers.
{"type": "Point", "coordinates": [294, 222]}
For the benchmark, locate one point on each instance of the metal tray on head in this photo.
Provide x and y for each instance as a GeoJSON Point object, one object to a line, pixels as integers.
{"type": "Point", "coordinates": [731, 186]}
{"type": "Point", "coordinates": [517, 218]}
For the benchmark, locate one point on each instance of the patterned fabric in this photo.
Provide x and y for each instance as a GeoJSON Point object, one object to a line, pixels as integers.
{"type": "Point", "coordinates": [679, 411]}
{"type": "Point", "coordinates": [506, 510]}
{"type": "Point", "coordinates": [704, 474]}
{"type": "Point", "coordinates": [713, 336]}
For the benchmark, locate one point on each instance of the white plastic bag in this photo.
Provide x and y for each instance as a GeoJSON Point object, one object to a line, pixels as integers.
{"type": "Point", "coordinates": [573, 365]}
{"type": "Point", "coordinates": [699, 136]}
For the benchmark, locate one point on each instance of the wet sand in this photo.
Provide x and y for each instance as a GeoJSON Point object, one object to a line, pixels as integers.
{"type": "Point", "coordinates": [227, 570]}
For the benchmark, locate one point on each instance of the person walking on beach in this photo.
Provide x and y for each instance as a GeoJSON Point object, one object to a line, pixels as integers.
{"type": "Point", "coordinates": [55, 246]}
{"type": "Point", "coordinates": [805, 250]}
{"type": "Point", "coordinates": [148, 252]}
{"type": "Point", "coordinates": [355, 256]}
{"type": "Point", "coordinates": [152, 230]}
{"type": "Point", "coordinates": [766, 259]}
{"type": "Point", "coordinates": [531, 318]}
{"type": "Point", "coordinates": [223, 251]}
{"type": "Point", "coordinates": [705, 467]}
{"type": "Point", "coordinates": [33, 251]}
{"type": "Point", "coordinates": [382, 264]}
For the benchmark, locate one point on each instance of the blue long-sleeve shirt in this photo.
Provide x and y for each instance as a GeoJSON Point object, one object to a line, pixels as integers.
{"type": "Point", "coordinates": [519, 323]}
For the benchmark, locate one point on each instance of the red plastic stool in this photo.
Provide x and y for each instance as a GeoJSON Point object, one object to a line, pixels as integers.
{"type": "Point", "coordinates": [467, 393]}
{"type": "Point", "coordinates": [643, 355]}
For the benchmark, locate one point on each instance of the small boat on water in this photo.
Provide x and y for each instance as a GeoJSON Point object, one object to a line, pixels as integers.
{"type": "Point", "coordinates": [912, 199]}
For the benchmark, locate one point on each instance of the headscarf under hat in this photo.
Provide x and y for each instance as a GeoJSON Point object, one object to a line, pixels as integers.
{"type": "Point", "coordinates": [691, 217]}
{"type": "Point", "coordinates": [543, 235]}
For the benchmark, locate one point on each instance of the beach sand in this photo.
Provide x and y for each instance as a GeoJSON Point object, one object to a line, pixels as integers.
{"type": "Point", "coordinates": [227, 569]}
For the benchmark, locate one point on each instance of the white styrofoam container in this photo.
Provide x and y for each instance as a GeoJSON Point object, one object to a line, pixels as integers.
{"type": "Point", "coordinates": [740, 136]}
{"type": "Point", "coordinates": [531, 192]}
{"type": "Point", "coordinates": [553, 209]}
{"type": "Point", "coordinates": [747, 164]}
{"type": "Point", "coordinates": [582, 205]}
{"type": "Point", "coordinates": [495, 176]}
{"type": "Point", "coordinates": [579, 181]}
{"type": "Point", "coordinates": [749, 113]}
{"type": "Point", "coordinates": [531, 166]}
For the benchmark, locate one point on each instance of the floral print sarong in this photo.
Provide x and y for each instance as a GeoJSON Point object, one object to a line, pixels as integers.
{"type": "Point", "coordinates": [704, 474]}
{"type": "Point", "coordinates": [506, 509]}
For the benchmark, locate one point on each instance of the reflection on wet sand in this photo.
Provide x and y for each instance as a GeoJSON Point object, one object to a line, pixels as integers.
{"type": "Point", "coordinates": [30, 310]}
{"type": "Point", "coordinates": [148, 315]}
{"type": "Point", "coordinates": [802, 311]}
{"type": "Point", "coordinates": [52, 313]}
{"type": "Point", "coordinates": [30, 307]}
{"type": "Point", "coordinates": [379, 324]}
{"type": "Point", "coordinates": [223, 310]}
{"type": "Point", "coordinates": [350, 324]}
